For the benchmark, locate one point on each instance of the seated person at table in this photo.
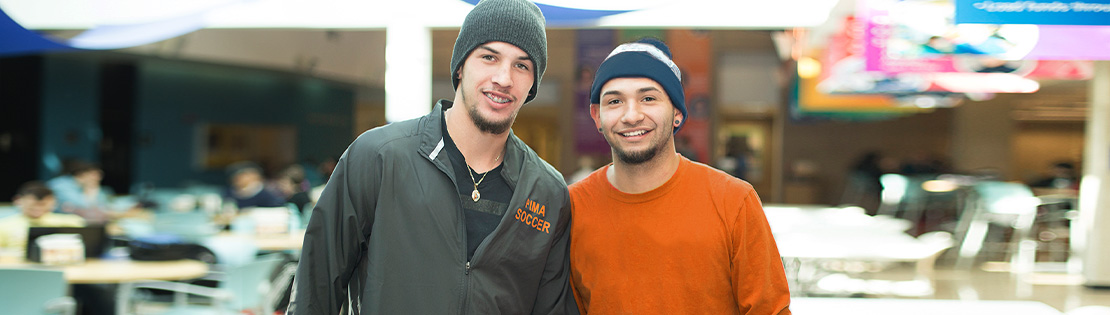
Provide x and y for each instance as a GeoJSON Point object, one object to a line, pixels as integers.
{"type": "Point", "coordinates": [294, 186]}
{"type": "Point", "coordinates": [36, 203]}
{"type": "Point", "coordinates": [79, 191]}
{"type": "Point", "coordinates": [1062, 176]}
{"type": "Point", "coordinates": [248, 189]}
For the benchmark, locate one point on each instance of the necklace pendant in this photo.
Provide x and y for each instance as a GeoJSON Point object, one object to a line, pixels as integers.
{"type": "Point", "coordinates": [475, 195]}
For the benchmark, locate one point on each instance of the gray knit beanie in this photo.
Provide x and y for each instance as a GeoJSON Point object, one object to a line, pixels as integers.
{"type": "Point", "coordinates": [517, 22]}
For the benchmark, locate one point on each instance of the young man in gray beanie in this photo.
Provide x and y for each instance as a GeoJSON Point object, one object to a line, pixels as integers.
{"type": "Point", "coordinates": [449, 213]}
{"type": "Point", "coordinates": [656, 233]}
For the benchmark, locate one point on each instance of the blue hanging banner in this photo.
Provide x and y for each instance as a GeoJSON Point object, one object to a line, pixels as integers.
{"type": "Point", "coordinates": [16, 40]}
{"type": "Point", "coordinates": [1042, 12]}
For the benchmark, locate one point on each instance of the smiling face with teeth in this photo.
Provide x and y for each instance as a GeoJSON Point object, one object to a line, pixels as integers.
{"type": "Point", "coordinates": [637, 119]}
{"type": "Point", "coordinates": [493, 84]}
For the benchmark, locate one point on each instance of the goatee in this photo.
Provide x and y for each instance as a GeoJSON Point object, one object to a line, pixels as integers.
{"type": "Point", "coordinates": [634, 158]}
{"type": "Point", "coordinates": [486, 125]}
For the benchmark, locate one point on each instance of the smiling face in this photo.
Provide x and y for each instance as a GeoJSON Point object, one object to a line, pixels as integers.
{"type": "Point", "coordinates": [637, 118]}
{"type": "Point", "coordinates": [493, 84]}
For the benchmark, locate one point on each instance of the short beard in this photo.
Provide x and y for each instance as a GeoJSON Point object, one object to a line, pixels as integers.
{"type": "Point", "coordinates": [641, 157]}
{"type": "Point", "coordinates": [636, 158]}
{"type": "Point", "coordinates": [485, 125]}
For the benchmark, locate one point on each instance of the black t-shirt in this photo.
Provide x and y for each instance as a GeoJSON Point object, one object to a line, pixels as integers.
{"type": "Point", "coordinates": [481, 217]}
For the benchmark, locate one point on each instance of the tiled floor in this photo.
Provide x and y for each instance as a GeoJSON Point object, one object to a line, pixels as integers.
{"type": "Point", "coordinates": [1062, 291]}
{"type": "Point", "coordinates": [1059, 290]}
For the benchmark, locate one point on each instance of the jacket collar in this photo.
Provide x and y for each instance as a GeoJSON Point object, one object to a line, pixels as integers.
{"type": "Point", "coordinates": [431, 145]}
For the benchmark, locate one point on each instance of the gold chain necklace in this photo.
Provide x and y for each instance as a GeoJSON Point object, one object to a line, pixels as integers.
{"type": "Point", "coordinates": [470, 171]}
{"type": "Point", "coordinates": [474, 194]}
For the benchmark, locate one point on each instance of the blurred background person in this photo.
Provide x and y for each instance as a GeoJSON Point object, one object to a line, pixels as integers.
{"type": "Point", "coordinates": [294, 187]}
{"type": "Point", "coordinates": [78, 191]}
{"type": "Point", "coordinates": [325, 168]}
{"type": "Point", "coordinates": [863, 188]}
{"type": "Point", "coordinates": [1061, 175]}
{"type": "Point", "coordinates": [248, 189]}
{"type": "Point", "coordinates": [36, 203]}
{"type": "Point", "coordinates": [924, 163]}
{"type": "Point", "coordinates": [585, 167]}
{"type": "Point", "coordinates": [737, 157]}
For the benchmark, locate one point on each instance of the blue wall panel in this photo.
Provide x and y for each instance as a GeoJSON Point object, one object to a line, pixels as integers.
{"type": "Point", "coordinates": [71, 112]}
{"type": "Point", "coordinates": [176, 99]}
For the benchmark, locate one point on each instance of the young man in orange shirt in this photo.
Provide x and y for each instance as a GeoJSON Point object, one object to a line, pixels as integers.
{"type": "Point", "coordinates": [656, 233]}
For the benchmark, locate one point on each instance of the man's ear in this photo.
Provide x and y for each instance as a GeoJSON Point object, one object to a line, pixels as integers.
{"type": "Point", "coordinates": [678, 118]}
{"type": "Point", "coordinates": [595, 113]}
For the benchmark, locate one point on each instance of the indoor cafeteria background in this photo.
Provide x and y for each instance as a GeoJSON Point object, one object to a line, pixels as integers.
{"type": "Point", "coordinates": [173, 113]}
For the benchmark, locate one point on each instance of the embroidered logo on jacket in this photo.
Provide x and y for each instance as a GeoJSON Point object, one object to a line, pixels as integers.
{"type": "Point", "coordinates": [533, 215]}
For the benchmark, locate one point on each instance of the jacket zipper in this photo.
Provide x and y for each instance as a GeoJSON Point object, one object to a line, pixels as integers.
{"type": "Point", "coordinates": [466, 270]}
{"type": "Point", "coordinates": [466, 288]}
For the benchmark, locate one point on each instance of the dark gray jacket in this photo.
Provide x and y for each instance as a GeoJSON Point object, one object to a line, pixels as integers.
{"type": "Point", "coordinates": [389, 229]}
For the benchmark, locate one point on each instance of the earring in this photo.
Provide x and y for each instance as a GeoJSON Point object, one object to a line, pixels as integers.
{"type": "Point", "coordinates": [677, 121]}
{"type": "Point", "coordinates": [599, 129]}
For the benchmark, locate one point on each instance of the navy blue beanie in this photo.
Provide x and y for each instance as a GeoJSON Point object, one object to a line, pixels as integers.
{"type": "Point", "coordinates": [646, 58]}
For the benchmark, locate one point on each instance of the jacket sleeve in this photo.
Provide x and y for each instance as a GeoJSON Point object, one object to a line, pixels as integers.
{"type": "Point", "coordinates": [554, 295]}
{"type": "Point", "coordinates": [336, 236]}
{"type": "Point", "coordinates": [756, 266]}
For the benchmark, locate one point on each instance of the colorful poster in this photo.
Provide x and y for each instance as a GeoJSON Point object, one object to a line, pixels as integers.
{"type": "Point", "coordinates": [844, 72]}
{"type": "Point", "coordinates": [924, 30]}
{"type": "Point", "coordinates": [1086, 12]}
{"type": "Point", "coordinates": [844, 85]}
{"type": "Point", "coordinates": [850, 53]}
{"type": "Point", "coordinates": [808, 104]}
{"type": "Point", "coordinates": [593, 47]}
{"type": "Point", "coordinates": [693, 52]}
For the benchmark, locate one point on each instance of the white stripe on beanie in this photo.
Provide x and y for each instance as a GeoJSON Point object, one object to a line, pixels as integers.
{"type": "Point", "coordinates": [650, 50]}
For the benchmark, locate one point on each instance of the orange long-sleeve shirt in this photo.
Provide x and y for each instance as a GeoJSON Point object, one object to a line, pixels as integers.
{"type": "Point", "coordinates": [698, 244]}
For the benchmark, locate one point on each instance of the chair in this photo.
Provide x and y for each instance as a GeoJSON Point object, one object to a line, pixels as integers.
{"type": "Point", "coordinates": [306, 213]}
{"type": "Point", "coordinates": [893, 193]}
{"type": "Point", "coordinates": [268, 220]}
{"type": "Point", "coordinates": [859, 277]}
{"type": "Point", "coordinates": [193, 226]}
{"type": "Point", "coordinates": [33, 291]}
{"type": "Point", "coordinates": [161, 198]}
{"type": "Point", "coordinates": [245, 288]}
{"type": "Point", "coordinates": [902, 197]}
{"type": "Point", "coordinates": [1009, 204]}
{"type": "Point", "coordinates": [231, 250]}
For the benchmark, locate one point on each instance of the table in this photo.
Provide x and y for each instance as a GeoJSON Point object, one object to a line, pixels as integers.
{"type": "Point", "coordinates": [291, 241]}
{"type": "Point", "coordinates": [124, 273]}
{"type": "Point", "coordinates": [821, 232]}
{"type": "Point", "coordinates": [835, 306]}
{"type": "Point", "coordinates": [813, 234]}
{"type": "Point", "coordinates": [121, 271]}
{"type": "Point", "coordinates": [274, 242]}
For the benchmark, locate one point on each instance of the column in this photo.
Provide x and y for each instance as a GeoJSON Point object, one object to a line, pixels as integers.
{"type": "Point", "coordinates": [1093, 236]}
{"type": "Point", "coordinates": [408, 70]}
